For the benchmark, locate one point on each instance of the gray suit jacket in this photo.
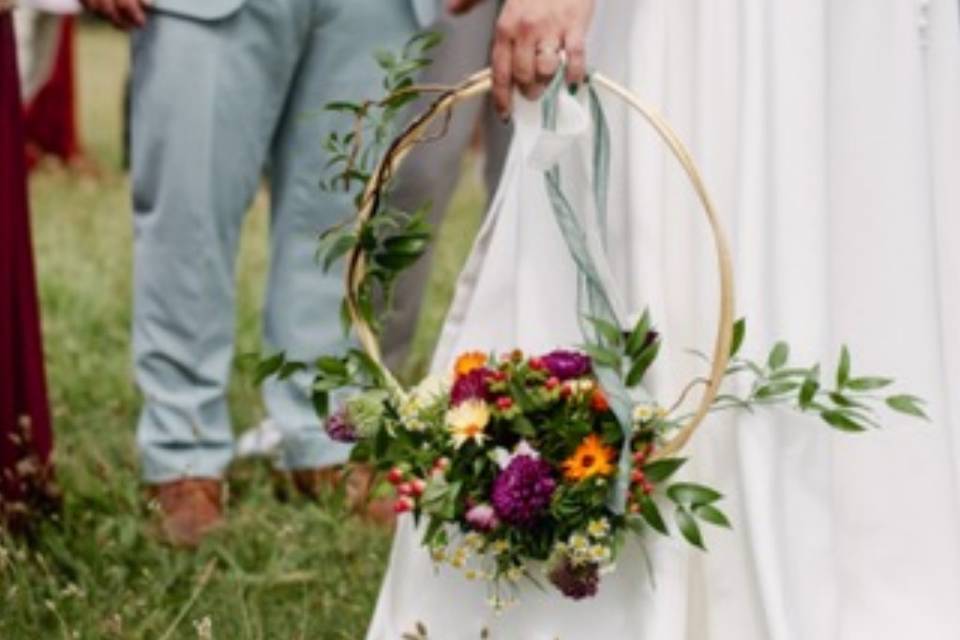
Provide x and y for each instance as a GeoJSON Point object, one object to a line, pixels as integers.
{"type": "Point", "coordinates": [425, 10]}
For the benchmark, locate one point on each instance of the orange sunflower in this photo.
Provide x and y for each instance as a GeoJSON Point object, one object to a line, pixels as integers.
{"type": "Point", "coordinates": [592, 458]}
{"type": "Point", "coordinates": [469, 361]}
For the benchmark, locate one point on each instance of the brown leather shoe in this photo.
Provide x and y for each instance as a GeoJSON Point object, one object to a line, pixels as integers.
{"type": "Point", "coordinates": [316, 483]}
{"type": "Point", "coordinates": [190, 509]}
{"type": "Point", "coordinates": [358, 483]}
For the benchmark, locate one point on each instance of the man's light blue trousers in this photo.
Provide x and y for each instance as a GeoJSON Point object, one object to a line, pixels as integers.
{"type": "Point", "coordinates": [216, 104]}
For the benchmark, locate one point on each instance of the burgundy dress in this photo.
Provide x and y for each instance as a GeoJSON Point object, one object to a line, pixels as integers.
{"type": "Point", "coordinates": [25, 434]}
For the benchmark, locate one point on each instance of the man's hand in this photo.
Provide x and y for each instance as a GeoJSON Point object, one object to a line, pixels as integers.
{"type": "Point", "coordinates": [124, 14]}
{"type": "Point", "coordinates": [530, 36]}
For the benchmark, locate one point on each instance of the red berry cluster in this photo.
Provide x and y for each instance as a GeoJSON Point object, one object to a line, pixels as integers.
{"type": "Point", "coordinates": [499, 377]}
{"type": "Point", "coordinates": [638, 479]}
{"type": "Point", "coordinates": [410, 488]}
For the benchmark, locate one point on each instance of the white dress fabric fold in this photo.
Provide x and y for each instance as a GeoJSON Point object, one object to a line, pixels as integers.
{"type": "Point", "coordinates": [828, 135]}
{"type": "Point", "coordinates": [518, 289]}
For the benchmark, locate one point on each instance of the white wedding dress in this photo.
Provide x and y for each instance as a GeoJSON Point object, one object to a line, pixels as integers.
{"type": "Point", "coordinates": [828, 134]}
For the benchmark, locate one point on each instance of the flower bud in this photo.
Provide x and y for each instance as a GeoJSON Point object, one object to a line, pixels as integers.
{"type": "Point", "coordinates": [417, 487]}
{"type": "Point", "coordinates": [402, 505]}
{"type": "Point", "coordinates": [395, 476]}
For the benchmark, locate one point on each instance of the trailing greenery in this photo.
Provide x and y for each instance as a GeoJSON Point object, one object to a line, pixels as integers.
{"type": "Point", "coordinates": [851, 404]}
{"type": "Point", "coordinates": [392, 239]}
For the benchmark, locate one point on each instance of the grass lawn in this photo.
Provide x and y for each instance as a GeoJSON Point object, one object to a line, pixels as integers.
{"type": "Point", "coordinates": [292, 570]}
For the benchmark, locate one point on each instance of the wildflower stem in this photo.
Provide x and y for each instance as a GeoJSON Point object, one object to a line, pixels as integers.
{"type": "Point", "coordinates": [205, 576]}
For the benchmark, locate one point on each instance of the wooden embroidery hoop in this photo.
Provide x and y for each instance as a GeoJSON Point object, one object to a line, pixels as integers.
{"type": "Point", "coordinates": [479, 84]}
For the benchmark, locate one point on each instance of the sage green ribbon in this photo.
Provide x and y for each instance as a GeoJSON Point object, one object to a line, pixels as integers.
{"type": "Point", "coordinates": [593, 301]}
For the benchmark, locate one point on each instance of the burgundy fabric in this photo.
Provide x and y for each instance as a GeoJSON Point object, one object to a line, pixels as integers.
{"type": "Point", "coordinates": [25, 432]}
{"type": "Point", "coordinates": [51, 121]}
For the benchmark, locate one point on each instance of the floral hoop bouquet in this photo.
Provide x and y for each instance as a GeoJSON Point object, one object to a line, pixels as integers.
{"type": "Point", "coordinates": [513, 460]}
{"type": "Point", "coordinates": [531, 466]}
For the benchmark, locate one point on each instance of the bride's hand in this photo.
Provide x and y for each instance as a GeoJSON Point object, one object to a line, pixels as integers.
{"type": "Point", "coordinates": [530, 35]}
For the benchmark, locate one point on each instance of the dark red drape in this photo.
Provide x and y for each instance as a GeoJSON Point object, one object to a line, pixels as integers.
{"type": "Point", "coordinates": [25, 432]}
{"type": "Point", "coordinates": [51, 120]}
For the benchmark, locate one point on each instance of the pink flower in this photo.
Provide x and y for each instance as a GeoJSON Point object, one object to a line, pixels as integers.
{"type": "Point", "coordinates": [482, 517]}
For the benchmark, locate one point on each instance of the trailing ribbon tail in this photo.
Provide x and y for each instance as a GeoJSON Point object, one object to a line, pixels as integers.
{"type": "Point", "coordinates": [594, 298]}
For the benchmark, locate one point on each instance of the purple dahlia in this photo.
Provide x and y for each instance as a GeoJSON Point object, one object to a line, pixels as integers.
{"type": "Point", "coordinates": [472, 386]}
{"type": "Point", "coordinates": [340, 429]}
{"type": "Point", "coordinates": [565, 365]}
{"type": "Point", "coordinates": [575, 581]}
{"type": "Point", "coordinates": [522, 491]}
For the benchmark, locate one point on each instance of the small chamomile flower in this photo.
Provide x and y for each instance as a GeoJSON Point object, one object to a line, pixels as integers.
{"type": "Point", "coordinates": [599, 528]}
{"type": "Point", "coordinates": [473, 540]}
{"type": "Point", "coordinates": [500, 546]}
{"type": "Point", "coordinates": [599, 554]}
{"type": "Point", "coordinates": [643, 413]}
{"type": "Point", "coordinates": [579, 542]}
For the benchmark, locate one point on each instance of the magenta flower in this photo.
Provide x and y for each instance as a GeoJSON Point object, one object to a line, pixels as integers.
{"type": "Point", "coordinates": [522, 491]}
{"type": "Point", "coordinates": [472, 386]}
{"type": "Point", "coordinates": [565, 365]}
{"type": "Point", "coordinates": [482, 517]}
{"type": "Point", "coordinates": [340, 429]}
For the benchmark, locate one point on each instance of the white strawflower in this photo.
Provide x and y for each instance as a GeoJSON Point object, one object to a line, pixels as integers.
{"type": "Point", "coordinates": [467, 422]}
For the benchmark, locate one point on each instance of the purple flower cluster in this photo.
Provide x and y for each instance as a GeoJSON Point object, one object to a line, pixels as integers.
{"type": "Point", "coordinates": [472, 386]}
{"type": "Point", "coordinates": [523, 490]}
{"type": "Point", "coordinates": [340, 429]}
{"type": "Point", "coordinates": [565, 365]}
{"type": "Point", "coordinates": [575, 581]}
